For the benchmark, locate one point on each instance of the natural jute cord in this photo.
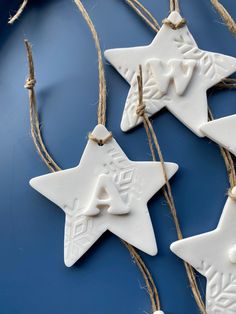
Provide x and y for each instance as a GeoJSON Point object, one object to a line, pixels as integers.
{"type": "Point", "coordinates": [168, 195]}
{"type": "Point", "coordinates": [152, 138]}
{"type": "Point", "coordinates": [34, 119]}
{"type": "Point", "coordinates": [144, 14]}
{"type": "Point", "coordinates": [52, 165]}
{"type": "Point", "coordinates": [226, 83]}
{"type": "Point", "coordinates": [174, 6]}
{"type": "Point", "coordinates": [18, 13]}
{"type": "Point", "coordinates": [151, 287]}
{"type": "Point", "coordinates": [226, 17]}
{"type": "Point", "coordinates": [148, 17]}
{"type": "Point", "coordinates": [102, 81]}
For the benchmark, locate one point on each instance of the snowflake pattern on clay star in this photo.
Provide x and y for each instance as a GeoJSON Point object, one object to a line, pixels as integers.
{"type": "Point", "coordinates": [213, 254]}
{"type": "Point", "coordinates": [106, 191]}
{"type": "Point", "coordinates": [176, 76]}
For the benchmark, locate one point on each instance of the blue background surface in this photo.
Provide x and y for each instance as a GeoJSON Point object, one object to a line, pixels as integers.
{"type": "Point", "coordinates": [33, 276]}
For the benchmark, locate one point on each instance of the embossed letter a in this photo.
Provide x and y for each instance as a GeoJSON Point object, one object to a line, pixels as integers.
{"type": "Point", "coordinates": [106, 196]}
{"type": "Point", "coordinates": [178, 71]}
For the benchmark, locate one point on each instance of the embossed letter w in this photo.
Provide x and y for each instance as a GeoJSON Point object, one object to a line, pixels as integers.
{"type": "Point", "coordinates": [177, 71]}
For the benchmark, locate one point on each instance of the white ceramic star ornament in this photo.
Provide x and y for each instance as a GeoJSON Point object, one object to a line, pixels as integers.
{"type": "Point", "coordinates": [222, 131]}
{"type": "Point", "coordinates": [106, 191]}
{"type": "Point", "coordinates": [213, 254]}
{"type": "Point", "coordinates": [176, 75]}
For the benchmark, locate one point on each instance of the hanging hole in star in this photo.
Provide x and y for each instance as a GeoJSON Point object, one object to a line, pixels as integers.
{"type": "Point", "coordinates": [100, 143]}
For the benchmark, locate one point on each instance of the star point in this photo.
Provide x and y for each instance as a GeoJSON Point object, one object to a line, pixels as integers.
{"type": "Point", "coordinates": [106, 191]}
{"type": "Point", "coordinates": [222, 131]}
{"type": "Point", "coordinates": [176, 76]}
{"type": "Point", "coordinates": [213, 254]}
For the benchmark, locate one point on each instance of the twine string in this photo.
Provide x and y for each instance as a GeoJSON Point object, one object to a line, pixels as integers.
{"type": "Point", "coordinates": [52, 165]}
{"type": "Point", "coordinates": [39, 144]}
{"type": "Point", "coordinates": [18, 12]}
{"type": "Point", "coordinates": [151, 287]}
{"type": "Point", "coordinates": [102, 81]}
{"type": "Point", "coordinates": [148, 17]}
{"type": "Point", "coordinates": [34, 117]}
{"type": "Point", "coordinates": [225, 15]}
{"type": "Point", "coordinates": [150, 284]}
{"type": "Point", "coordinates": [227, 83]}
{"type": "Point", "coordinates": [144, 14]}
{"type": "Point", "coordinates": [30, 83]}
{"type": "Point", "coordinates": [167, 191]}
{"type": "Point", "coordinates": [174, 6]}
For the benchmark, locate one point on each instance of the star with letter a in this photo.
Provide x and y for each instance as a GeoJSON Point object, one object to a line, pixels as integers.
{"type": "Point", "coordinates": [176, 75]}
{"type": "Point", "coordinates": [106, 191]}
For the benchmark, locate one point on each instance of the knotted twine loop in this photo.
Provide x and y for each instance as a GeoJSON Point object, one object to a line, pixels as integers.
{"type": "Point", "coordinates": [175, 26]}
{"type": "Point", "coordinates": [143, 269]}
{"type": "Point", "coordinates": [232, 178]}
{"type": "Point", "coordinates": [174, 6]}
{"type": "Point", "coordinates": [30, 83]}
{"type": "Point", "coordinates": [34, 118]}
{"type": "Point", "coordinates": [140, 111]}
{"type": "Point", "coordinates": [48, 160]}
{"type": "Point", "coordinates": [100, 142]}
{"type": "Point", "coordinates": [167, 191]}
{"type": "Point", "coordinates": [151, 287]}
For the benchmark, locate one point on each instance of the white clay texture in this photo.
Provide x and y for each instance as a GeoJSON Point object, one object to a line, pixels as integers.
{"type": "Point", "coordinates": [222, 131]}
{"type": "Point", "coordinates": [106, 191]}
{"type": "Point", "coordinates": [213, 254]}
{"type": "Point", "coordinates": [176, 76]}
